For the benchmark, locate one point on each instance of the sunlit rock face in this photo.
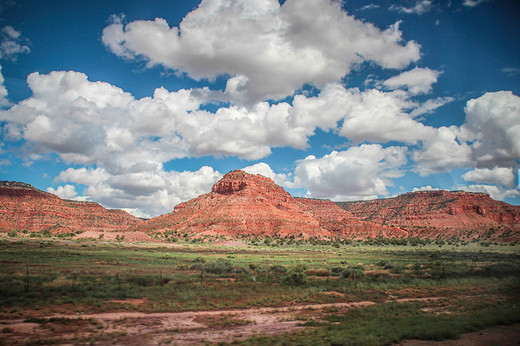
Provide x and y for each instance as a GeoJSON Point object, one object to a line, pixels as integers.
{"type": "Point", "coordinates": [253, 205]}
{"type": "Point", "coordinates": [443, 214]}
{"type": "Point", "coordinates": [23, 207]}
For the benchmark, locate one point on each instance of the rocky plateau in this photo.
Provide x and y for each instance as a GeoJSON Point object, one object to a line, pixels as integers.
{"type": "Point", "coordinates": [243, 204]}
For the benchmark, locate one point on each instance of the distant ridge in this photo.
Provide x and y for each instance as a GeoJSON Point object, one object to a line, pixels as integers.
{"type": "Point", "coordinates": [243, 204]}
{"type": "Point", "coordinates": [26, 208]}
{"type": "Point", "coordinates": [443, 214]}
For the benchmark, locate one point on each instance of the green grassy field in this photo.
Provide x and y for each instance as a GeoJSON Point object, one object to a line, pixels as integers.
{"type": "Point", "coordinates": [426, 291]}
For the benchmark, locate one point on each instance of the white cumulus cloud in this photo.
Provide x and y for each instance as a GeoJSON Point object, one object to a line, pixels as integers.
{"type": "Point", "coordinates": [416, 81]}
{"type": "Point", "coordinates": [493, 124]}
{"type": "Point", "coordinates": [494, 191]}
{"type": "Point", "coordinates": [12, 43]}
{"type": "Point", "coordinates": [379, 116]}
{"type": "Point", "coordinates": [419, 7]}
{"type": "Point", "coordinates": [144, 194]}
{"type": "Point", "coordinates": [497, 175]}
{"type": "Point", "coordinates": [443, 152]}
{"type": "Point", "coordinates": [266, 170]}
{"type": "Point", "coordinates": [268, 50]}
{"type": "Point", "coordinates": [361, 172]}
{"type": "Point", "coordinates": [66, 192]}
{"type": "Point", "coordinates": [4, 101]}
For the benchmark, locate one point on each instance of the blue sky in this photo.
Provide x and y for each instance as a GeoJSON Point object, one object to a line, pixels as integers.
{"type": "Point", "coordinates": [143, 104]}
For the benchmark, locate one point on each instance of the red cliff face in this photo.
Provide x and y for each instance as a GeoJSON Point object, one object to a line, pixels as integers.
{"type": "Point", "coordinates": [246, 204]}
{"type": "Point", "coordinates": [343, 224]}
{"type": "Point", "coordinates": [23, 207]}
{"type": "Point", "coordinates": [443, 214]}
{"type": "Point", "coordinates": [240, 204]}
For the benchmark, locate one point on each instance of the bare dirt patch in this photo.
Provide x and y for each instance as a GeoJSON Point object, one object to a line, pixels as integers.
{"type": "Point", "coordinates": [136, 302]}
{"type": "Point", "coordinates": [232, 243]}
{"type": "Point", "coordinates": [199, 327]}
{"type": "Point", "coordinates": [182, 328]}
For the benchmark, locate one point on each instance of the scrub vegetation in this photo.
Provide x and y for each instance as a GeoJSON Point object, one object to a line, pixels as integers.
{"type": "Point", "coordinates": [416, 291]}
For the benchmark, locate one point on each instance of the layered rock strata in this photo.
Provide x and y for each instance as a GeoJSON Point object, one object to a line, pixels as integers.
{"type": "Point", "coordinates": [442, 214]}
{"type": "Point", "coordinates": [23, 207]}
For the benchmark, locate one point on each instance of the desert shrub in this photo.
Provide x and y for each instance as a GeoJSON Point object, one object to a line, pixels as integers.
{"type": "Point", "coordinates": [336, 271]}
{"type": "Point", "coordinates": [395, 269]}
{"type": "Point", "coordinates": [199, 260]}
{"type": "Point", "coordinates": [296, 276]}
{"type": "Point", "coordinates": [278, 269]}
{"type": "Point", "coordinates": [220, 266]}
{"type": "Point", "coordinates": [417, 269]}
{"type": "Point", "coordinates": [143, 281]}
{"type": "Point", "coordinates": [353, 272]}
{"type": "Point", "coordinates": [12, 233]}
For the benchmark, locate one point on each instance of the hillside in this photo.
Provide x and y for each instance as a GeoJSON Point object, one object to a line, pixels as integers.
{"type": "Point", "coordinates": [442, 214]}
{"type": "Point", "coordinates": [23, 207]}
{"type": "Point", "coordinates": [239, 204]}
{"type": "Point", "coordinates": [243, 204]}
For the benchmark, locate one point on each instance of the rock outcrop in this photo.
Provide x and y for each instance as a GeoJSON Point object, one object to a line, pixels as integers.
{"type": "Point", "coordinates": [23, 207]}
{"type": "Point", "coordinates": [442, 214]}
{"type": "Point", "coordinates": [243, 204]}
{"type": "Point", "coordinates": [240, 204]}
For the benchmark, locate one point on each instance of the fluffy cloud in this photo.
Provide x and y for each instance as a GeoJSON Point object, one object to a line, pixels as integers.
{"type": "Point", "coordinates": [473, 3]}
{"type": "Point", "coordinates": [94, 122]}
{"type": "Point", "coordinates": [144, 194]}
{"type": "Point", "coordinates": [498, 175]}
{"type": "Point", "coordinates": [420, 7]}
{"type": "Point", "coordinates": [358, 173]}
{"type": "Point", "coordinates": [489, 137]}
{"type": "Point", "coordinates": [268, 50]}
{"type": "Point", "coordinates": [495, 192]}
{"type": "Point", "coordinates": [425, 188]}
{"type": "Point", "coordinates": [493, 124]}
{"type": "Point", "coordinates": [377, 116]}
{"type": "Point", "coordinates": [265, 170]}
{"type": "Point", "coordinates": [3, 91]}
{"type": "Point", "coordinates": [370, 115]}
{"type": "Point", "coordinates": [416, 81]}
{"type": "Point", "coordinates": [443, 152]}
{"type": "Point", "coordinates": [87, 122]}
{"type": "Point", "coordinates": [67, 192]}
{"type": "Point", "coordinates": [12, 43]}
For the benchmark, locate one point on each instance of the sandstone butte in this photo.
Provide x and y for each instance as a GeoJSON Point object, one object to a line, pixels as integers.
{"type": "Point", "coordinates": [243, 204]}
{"type": "Point", "coordinates": [443, 214]}
{"type": "Point", "coordinates": [23, 207]}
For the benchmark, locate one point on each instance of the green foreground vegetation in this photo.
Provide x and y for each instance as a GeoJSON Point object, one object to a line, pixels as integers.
{"type": "Point", "coordinates": [426, 291]}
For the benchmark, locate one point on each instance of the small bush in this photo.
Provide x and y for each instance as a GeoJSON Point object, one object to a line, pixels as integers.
{"type": "Point", "coordinates": [221, 266]}
{"type": "Point", "coordinates": [296, 277]}
{"type": "Point", "coordinates": [278, 269]}
{"type": "Point", "coordinates": [353, 272]}
{"type": "Point", "coordinates": [199, 260]}
{"type": "Point", "coordinates": [12, 233]}
{"type": "Point", "coordinates": [336, 271]}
